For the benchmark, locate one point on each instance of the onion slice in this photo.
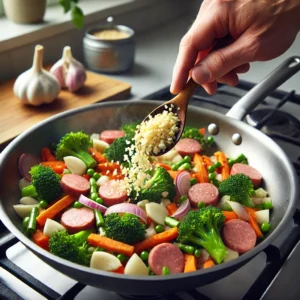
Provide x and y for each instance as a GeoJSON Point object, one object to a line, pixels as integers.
{"type": "Point", "coordinates": [127, 208]}
{"type": "Point", "coordinates": [25, 163]}
{"type": "Point", "coordinates": [183, 209]}
{"type": "Point", "coordinates": [183, 182]}
{"type": "Point", "coordinates": [239, 210]}
{"type": "Point", "coordinates": [91, 204]}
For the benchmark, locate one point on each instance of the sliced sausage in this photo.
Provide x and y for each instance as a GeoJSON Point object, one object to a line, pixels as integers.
{"type": "Point", "coordinates": [166, 255]}
{"type": "Point", "coordinates": [188, 146]}
{"type": "Point", "coordinates": [109, 136]}
{"type": "Point", "coordinates": [74, 184]}
{"type": "Point", "coordinates": [203, 192]}
{"type": "Point", "coordinates": [238, 235]}
{"type": "Point", "coordinates": [254, 175]}
{"type": "Point", "coordinates": [113, 192]}
{"type": "Point", "coordinates": [77, 219]}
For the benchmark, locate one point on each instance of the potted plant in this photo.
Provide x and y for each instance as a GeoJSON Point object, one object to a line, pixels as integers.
{"type": "Point", "coordinates": [33, 11]}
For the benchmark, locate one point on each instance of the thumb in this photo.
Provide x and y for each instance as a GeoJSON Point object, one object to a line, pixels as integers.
{"type": "Point", "coordinates": [221, 61]}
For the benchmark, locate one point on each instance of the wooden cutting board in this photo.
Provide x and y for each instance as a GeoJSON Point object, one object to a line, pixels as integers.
{"type": "Point", "coordinates": [16, 117]}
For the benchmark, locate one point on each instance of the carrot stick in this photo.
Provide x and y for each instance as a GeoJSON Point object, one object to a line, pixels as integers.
{"type": "Point", "coordinates": [202, 130]}
{"type": "Point", "coordinates": [229, 215]}
{"type": "Point", "coordinates": [171, 208]}
{"type": "Point", "coordinates": [207, 161]}
{"type": "Point", "coordinates": [252, 221]}
{"type": "Point", "coordinates": [173, 173]}
{"type": "Point", "coordinates": [221, 157]}
{"type": "Point", "coordinates": [202, 175]}
{"type": "Point", "coordinates": [165, 166]}
{"type": "Point", "coordinates": [47, 155]}
{"type": "Point", "coordinates": [41, 239]}
{"type": "Point", "coordinates": [54, 209]}
{"type": "Point", "coordinates": [97, 156]}
{"type": "Point", "coordinates": [190, 264]}
{"type": "Point", "coordinates": [108, 166]}
{"type": "Point", "coordinates": [150, 242]}
{"type": "Point", "coordinates": [97, 240]}
{"type": "Point", "coordinates": [209, 263]}
{"type": "Point", "coordinates": [56, 165]}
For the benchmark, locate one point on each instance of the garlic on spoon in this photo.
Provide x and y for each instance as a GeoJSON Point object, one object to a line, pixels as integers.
{"type": "Point", "coordinates": [69, 72]}
{"type": "Point", "coordinates": [36, 85]}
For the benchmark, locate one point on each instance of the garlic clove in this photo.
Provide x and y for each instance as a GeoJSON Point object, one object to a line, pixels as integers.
{"type": "Point", "coordinates": [69, 72]}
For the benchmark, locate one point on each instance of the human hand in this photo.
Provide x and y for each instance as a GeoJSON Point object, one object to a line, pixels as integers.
{"type": "Point", "coordinates": [261, 30]}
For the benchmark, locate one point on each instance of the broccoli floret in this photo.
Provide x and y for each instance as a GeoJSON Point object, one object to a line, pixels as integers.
{"type": "Point", "coordinates": [130, 129]}
{"type": "Point", "coordinates": [127, 228]}
{"type": "Point", "coordinates": [202, 228]}
{"type": "Point", "coordinates": [72, 247]}
{"type": "Point", "coordinates": [194, 133]}
{"type": "Point", "coordinates": [161, 185]}
{"type": "Point", "coordinates": [117, 149]}
{"type": "Point", "coordinates": [76, 144]}
{"type": "Point", "coordinates": [45, 184]}
{"type": "Point", "coordinates": [240, 189]}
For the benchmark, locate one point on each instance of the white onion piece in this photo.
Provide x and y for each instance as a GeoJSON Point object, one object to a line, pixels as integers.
{"type": "Point", "coordinates": [262, 216]}
{"type": "Point", "coordinates": [28, 201]}
{"type": "Point", "coordinates": [239, 210]}
{"type": "Point", "coordinates": [261, 193]}
{"type": "Point", "coordinates": [127, 208]}
{"type": "Point", "coordinates": [183, 209]}
{"type": "Point", "coordinates": [91, 204]}
{"type": "Point", "coordinates": [165, 202]}
{"type": "Point", "coordinates": [23, 182]}
{"type": "Point", "coordinates": [183, 183]}
{"type": "Point", "coordinates": [95, 136]}
{"type": "Point", "coordinates": [102, 180]}
{"type": "Point", "coordinates": [150, 231]}
{"type": "Point", "coordinates": [257, 200]}
{"type": "Point", "coordinates": [135, 266]}
{"type": "Point", "coordinates": [267, 199]}
{"type": "Point", "coordinates": [156, 212]}
{"type": "Point", "coordinates": [177, 158]}
{"type": "Point", "coordinates": [52, 226]}
{"type": "Point", "coordinates": [104, 261]}
{"type": "Point", "coordinates": [75, 165]}
{"type": "Point", "coordinates": [99, 145]}
{"type": "Point", "coordinates": [231, 255]}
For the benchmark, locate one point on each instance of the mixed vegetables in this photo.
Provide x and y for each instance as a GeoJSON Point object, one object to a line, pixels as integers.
{"type": "Point", "coordinates": [200, 210]}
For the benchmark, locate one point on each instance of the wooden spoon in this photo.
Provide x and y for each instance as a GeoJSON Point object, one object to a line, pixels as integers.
{"type": "Point", "coordinates": [180, 104]}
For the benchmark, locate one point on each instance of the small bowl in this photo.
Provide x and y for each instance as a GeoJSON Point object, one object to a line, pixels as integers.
{"type": "Point", "coordinates": [109, 48]}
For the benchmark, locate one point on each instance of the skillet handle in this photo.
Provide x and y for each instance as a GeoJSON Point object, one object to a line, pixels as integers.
{"type": "Point", "coordinates": [258, 93]}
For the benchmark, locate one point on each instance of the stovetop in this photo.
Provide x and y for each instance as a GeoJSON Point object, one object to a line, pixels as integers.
{"type": "Point", "coordinates": [272, 274]}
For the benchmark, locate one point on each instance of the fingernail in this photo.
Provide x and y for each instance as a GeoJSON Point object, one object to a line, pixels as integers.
{"type": "Point", "coordinates": [201, 74]}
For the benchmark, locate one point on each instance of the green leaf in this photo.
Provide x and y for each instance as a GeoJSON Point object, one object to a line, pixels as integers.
{"type": "Point", "coordinates": [66, 4]}
{"type": "Point", "coordinates": [77, 17]}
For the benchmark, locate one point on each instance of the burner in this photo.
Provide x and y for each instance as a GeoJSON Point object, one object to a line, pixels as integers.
{"type": "Point", "coordinates": [277, 122]}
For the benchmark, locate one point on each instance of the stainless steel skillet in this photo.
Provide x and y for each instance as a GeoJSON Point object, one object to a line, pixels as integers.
{"type": "Point", "coordinates": [264, 154]}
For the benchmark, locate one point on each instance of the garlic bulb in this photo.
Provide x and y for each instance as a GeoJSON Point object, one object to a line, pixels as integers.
{"type": "Point", "coordinates": [69, 72]}
{"type": "Point", "coordinates": [36, 86]}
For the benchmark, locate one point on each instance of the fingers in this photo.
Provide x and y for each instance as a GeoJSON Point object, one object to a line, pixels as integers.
{"type": "Point", "coordinates": [242, 69]}
{"type": "Point", "coordinates": [211, 87]}
{"type": "Point", "coordinates": [222, 61]}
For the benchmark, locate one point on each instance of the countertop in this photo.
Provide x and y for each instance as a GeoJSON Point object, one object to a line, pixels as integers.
{"type": "Point", "coordinates": [156, 53]}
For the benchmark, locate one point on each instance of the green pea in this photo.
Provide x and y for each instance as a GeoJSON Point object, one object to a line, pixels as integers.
{"type": "Point", "coordinates": [182, 199]}
{"type": "Point", "coordinates": [165, 270]}
{"type": "Point", "coordinates": [159, 228]}
{"type": "Point", "coordinates": [197, 252]}
{"type": "Point", "coordinates": [218, 165]}
{"type": "Point", "coordinates": [94, 189]}
{"type": "Point", "coordinates": [121, 257]}
{"type": "Point", "coordinates": [96, 176]}
{"type": "Point", "coordinates": [212, 176]}
{"type": "Point", "coordinates": [90, 172]}
{"type": "Point", "coordinates": [94, 196]}
{"type": "Point", "coordinates": [231, 161]}
{"type": "Point", "coordinates": [77, 204]}
{"type": "Point", "coordinates": [99, 200]}
{"type": "Point", "coordinates": [43, 204]}
{"type": "Point", "coordinates": [92, 181]}
{"type": "Point", "coordinates": [144, 255]}
{"type": "Point", "coordinates": [26, 221]}
{"type": "Point", "coordinates": [210, 139]}
{"type": "Point", "coordinates": [211, 169]}
{"type": "Point", "coordinates": [200, 205]}
{"type": "Point", "coordinates": [268, 205]}
{"type": "Point", "coordinates": [185, 166]}
{"type": "Point", "coordinates": [193, 181]}
{"type": "Point", "coordinates": [265, 227]}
